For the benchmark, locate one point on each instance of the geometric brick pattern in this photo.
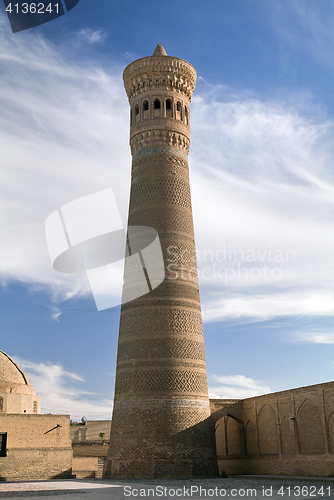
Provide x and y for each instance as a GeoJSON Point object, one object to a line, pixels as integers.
{"type": "Point", "coordinates": [174, 320]}
{"type": "Point", "coordinates": [160, 191]}
{"type": "Point", "coordinates": [167, 164]}
{"type": "Point", "coordinates": [176, 419]}
{"type": "Point", "coordinates": [163, 403]}
{"type": "Point", "coordinates": [161, 409]}
{"type": "Point", "coordinates": [162, 381]}
{"type": "Point", "coordinates": [182, 221]}
{"type": "Point", "coordinates": [161, 348]}
{"type": "Point", "coordinates": [179, 253]}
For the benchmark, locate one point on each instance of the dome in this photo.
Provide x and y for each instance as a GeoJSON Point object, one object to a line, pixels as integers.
{"type": "Point", "coordinates": [12, 378]}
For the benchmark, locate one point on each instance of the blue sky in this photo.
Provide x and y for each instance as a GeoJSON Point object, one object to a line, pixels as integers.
{"type": "Point", "coordinates": [261, 165]}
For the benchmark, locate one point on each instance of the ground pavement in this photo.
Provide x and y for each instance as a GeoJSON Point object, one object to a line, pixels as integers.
{"type": "Point", "coordinates": [238, 487]}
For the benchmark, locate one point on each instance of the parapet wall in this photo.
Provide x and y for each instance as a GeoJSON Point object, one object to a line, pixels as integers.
{"type": "Point", "coordinates": [289, 432]}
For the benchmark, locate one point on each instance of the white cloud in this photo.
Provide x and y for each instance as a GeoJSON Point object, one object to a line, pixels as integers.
{"type": "Point", "coordinates": [270, 305]}
{"type": "Point", "coordinates": [61, 393]}
{"type": "Point", "coordinates": [262, 184]}
{"type": "Point", "coordinates": [261, 180]}
{"type": "Point", "coordinates": [236, 387]}
{"type": "Point", "coordinates": [316, 337]}
{"type": "Point", "coordinates": [64, 130]}
{"type": "Point", "coordinates": [55, 313]}
{"type": "Point", "coordinates": [92, 36]}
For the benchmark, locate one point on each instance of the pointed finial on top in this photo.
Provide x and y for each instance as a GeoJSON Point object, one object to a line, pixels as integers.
{"type": "Point", "coordinates": [159, 50]}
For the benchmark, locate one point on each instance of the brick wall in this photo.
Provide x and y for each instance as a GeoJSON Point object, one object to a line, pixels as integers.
{"type": "Point", "coordinates": [37, 447]}
{"type": "Point", "coordinates": [288, 432]}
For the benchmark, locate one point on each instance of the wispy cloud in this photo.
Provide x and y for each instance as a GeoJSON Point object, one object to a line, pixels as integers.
{"type": "Point", "coordinates": [236, 387]}
{"type": "Point", "coordinates": [64, 130]}
{"type": "Point", "coordinates": [313, 337]}
{"type": "Point", "coordinates": [92, 36]}
{"type": "Point", "coordinates": [270, 305]}
{"type": "Point", "coordinates": [262, 188]}
{"type": "Point", "coordinates": [307, 27]}
{"type": "Point", "coordinates": [61, 391]}
{"type": "Point", "coordinates": [261, 180]}
{"type": "Point", "coordinates": [55, 313]}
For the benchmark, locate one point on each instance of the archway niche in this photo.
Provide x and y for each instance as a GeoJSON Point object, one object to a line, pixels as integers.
{"type": "Point", "coordinates": [267, 429]}
{"type": "Point", "coordinates": [250, 438]}
{"type": "Point", "coordinates": [310, 429]}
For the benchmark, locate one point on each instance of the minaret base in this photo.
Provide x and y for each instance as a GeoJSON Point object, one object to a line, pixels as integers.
{"type": "Point", "coordinates": [160, 468]}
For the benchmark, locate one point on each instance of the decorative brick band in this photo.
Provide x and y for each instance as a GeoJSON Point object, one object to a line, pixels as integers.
{"type": "Point", "coordinates": [184, 403]}
{"type": "Point", "coordinates": [178, 321]}
{"type": "Point", "coordinates": [158, 348]}
{"type": "Point", "coordinates": [162, 164]}
{"type": "Point", "coordinates": [156, 420]}
{"type": "Point", "coordinates": [156, 381]}
{"type": "Point", "coordinates": [153, 73]}
{"type": "Point", "coordinates": [160, 191]}
{"type": "Point", "coordinates": [148, 151]}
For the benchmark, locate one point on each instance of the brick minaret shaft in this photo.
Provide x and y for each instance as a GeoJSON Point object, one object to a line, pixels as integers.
{"type": "Point", "coordinates": [161, 424]}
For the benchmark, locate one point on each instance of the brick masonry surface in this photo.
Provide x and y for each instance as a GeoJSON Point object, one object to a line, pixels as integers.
{"type": "Point", "coordinates": [37, 447]}
{"type": "Point", "coordinates": [289, 432]}
{"type": "Point", "coordinates": [161, 425]}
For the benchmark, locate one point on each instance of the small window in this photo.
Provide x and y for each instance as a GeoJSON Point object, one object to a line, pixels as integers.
{"type": "Point", "coordinates": [186, 115]}
{"type": "Point", "coordinates": [34, 407]}
{"type": "Point", "coordinates": [137, 110]}
{"type": "Point", "coordinates": [1, 404]}
{"type": "Point", "coordinates": [178, 110]}
{"type": "Point", "coordinates": [3, 444]}
{"type": "Point", "coordinates": [169, 108]}
{"type": "Point", "coordinates": [157, 104]}
{"type": "Point", "coordinates": [145, 106]}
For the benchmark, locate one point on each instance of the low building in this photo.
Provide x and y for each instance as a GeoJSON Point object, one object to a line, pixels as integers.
{"type": "Point", "coordinates": [32, 446]}
{"type": "Point", "coordinates": [284, 433]}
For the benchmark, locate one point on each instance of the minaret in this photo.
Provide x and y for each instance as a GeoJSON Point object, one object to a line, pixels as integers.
{"type": "Point", "coordinates": [161, 425]}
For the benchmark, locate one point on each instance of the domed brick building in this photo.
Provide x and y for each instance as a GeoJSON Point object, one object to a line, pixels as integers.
{"type": "Point", "coordinates": [17, 395]}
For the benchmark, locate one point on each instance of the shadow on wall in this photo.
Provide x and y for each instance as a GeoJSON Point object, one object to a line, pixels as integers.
{"type": "Point", "coordinates": [66, 474]}
{"type": "Point", "coordinates": [193, 454]}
